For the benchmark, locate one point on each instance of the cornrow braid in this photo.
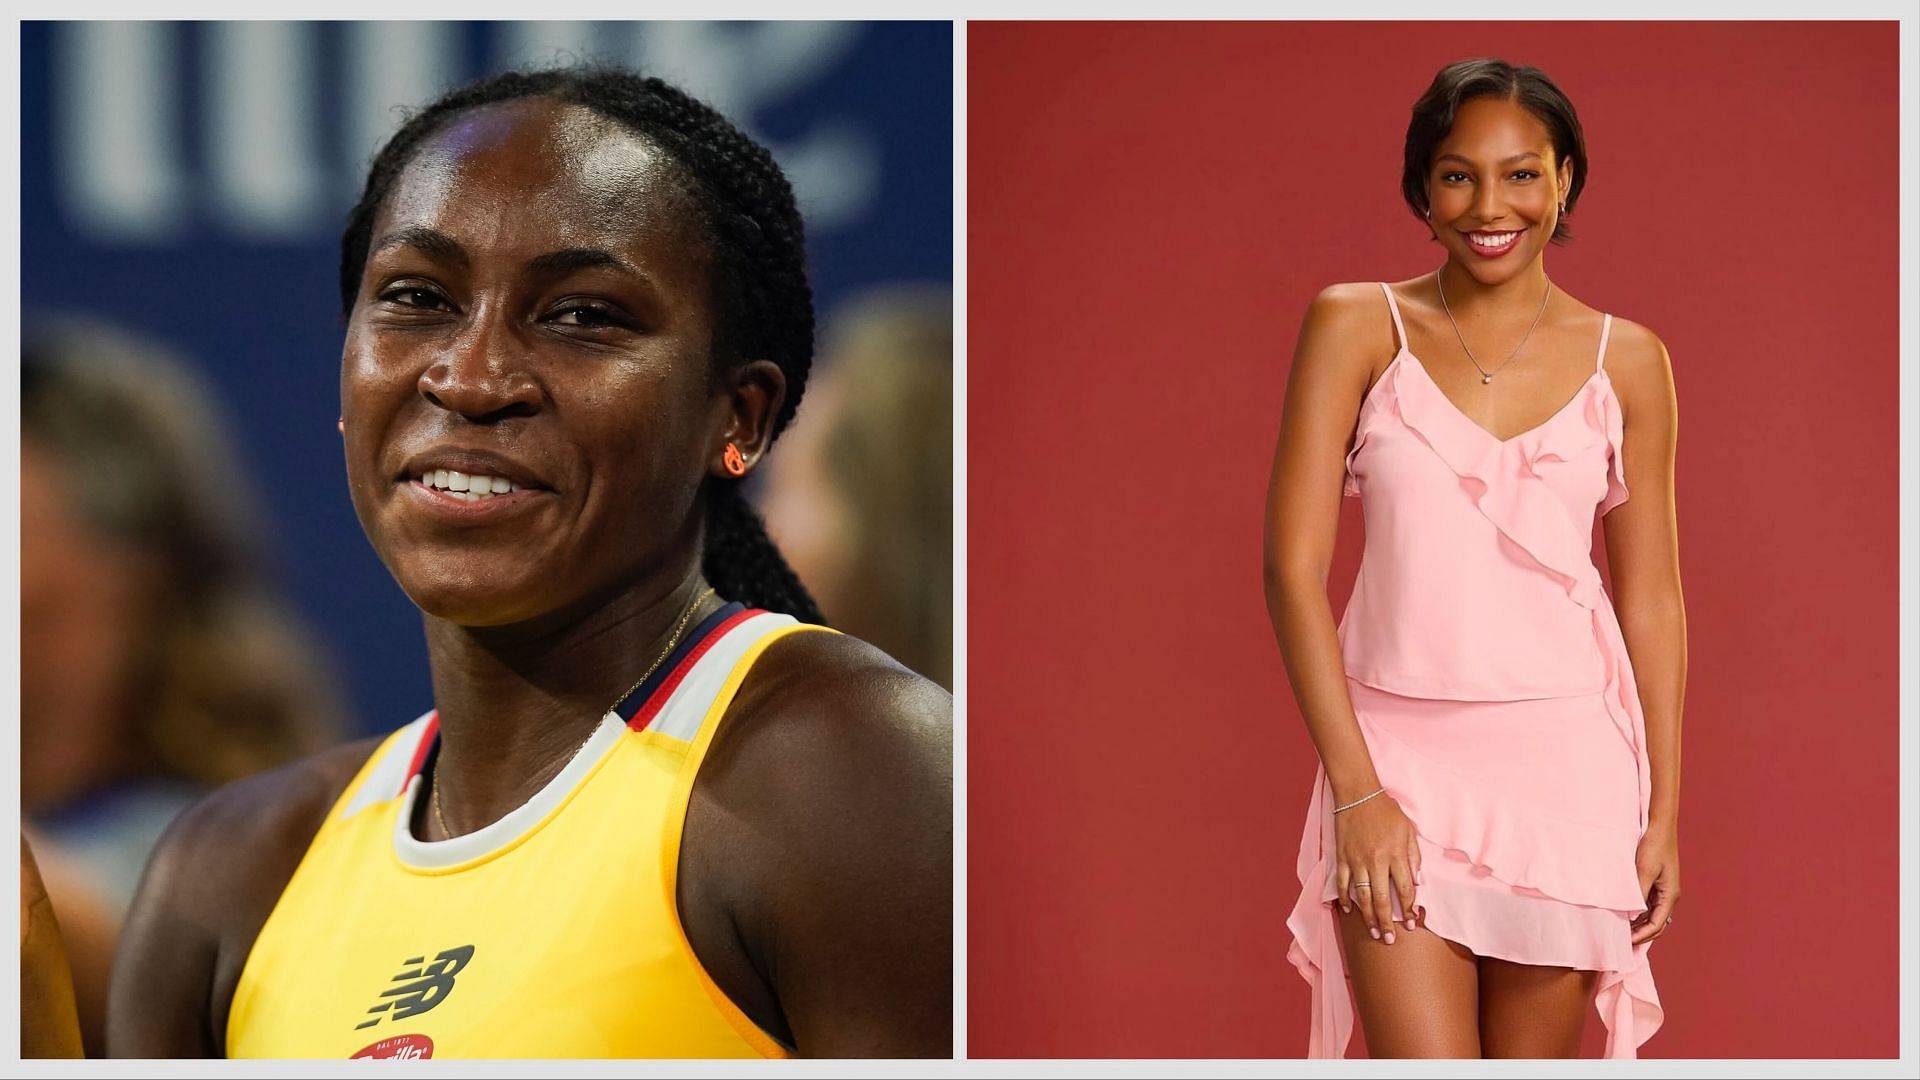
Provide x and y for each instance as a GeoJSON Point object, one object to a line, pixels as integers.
{"type": "Point", "coordinates": [763, 303]}
{"type": "Point", "coordinates": [741, 560]}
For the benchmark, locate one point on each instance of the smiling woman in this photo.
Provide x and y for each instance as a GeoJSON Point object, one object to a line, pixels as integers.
{"type": "Point", "coordinates": [1491, 846]}
{"type": "Point", "coordinates": [656, 811]}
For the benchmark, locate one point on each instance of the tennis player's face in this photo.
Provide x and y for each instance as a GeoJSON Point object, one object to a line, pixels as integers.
{"type": "Point", "coordinates": [1495, 189]}
{"type": "Point", "coordinates": [525, 384]}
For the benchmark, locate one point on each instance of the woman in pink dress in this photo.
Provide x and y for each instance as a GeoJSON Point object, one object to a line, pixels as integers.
{"type": "Point", "coordinates": [1491, 845]}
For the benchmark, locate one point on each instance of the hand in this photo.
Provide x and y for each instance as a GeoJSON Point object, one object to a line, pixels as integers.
{"type": "Point", "coordinates": [49, 1022]}
{"type": "Point", "coordinates": [1374, 847]}
{"type": "Point", "coordinates": [1658, 861]}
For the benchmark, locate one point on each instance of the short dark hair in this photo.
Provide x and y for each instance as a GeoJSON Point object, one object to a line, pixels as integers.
{"type": "Point", "coordinates": [1465, 80]}
{"type": "Point", "coordinates": [763, 303]}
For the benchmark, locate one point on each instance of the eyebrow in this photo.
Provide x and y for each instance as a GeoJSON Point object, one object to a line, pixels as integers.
{"type": "Point", "coordinates": [430, 241]}
{"type": "Point", "coordinates": [1464, 161]}
{"type": "Point", "coordinates": [568, 260]}
{"type": "Point", "coordinates": [439, 245]}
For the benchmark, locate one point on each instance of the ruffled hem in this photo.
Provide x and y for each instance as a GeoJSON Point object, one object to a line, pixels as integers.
{"type": "Point", "coordinates": [1629, 1006]}
{"type": "Point", "coordinates": [1465, 903]}
{"type": "Point", "coordinates": [1517, 845]}
{"type": "Point", "coordinates": [1426, 686]}
{"type": "Point", "coordinates": [1314, 948]}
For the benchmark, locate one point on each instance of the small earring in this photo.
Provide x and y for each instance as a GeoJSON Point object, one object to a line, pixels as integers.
{"type": "Point", "coordinates": [343, 425]}
{"type": "Point", "coordinates": [1563, 209]}
{"type": "Point", "coordinates": [735, 463]}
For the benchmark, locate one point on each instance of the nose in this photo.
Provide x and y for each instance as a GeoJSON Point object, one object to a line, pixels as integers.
{"type": "Point", "coordinates": [484, 374]}
{"type": "Point", "coordinates": [1489, 203]}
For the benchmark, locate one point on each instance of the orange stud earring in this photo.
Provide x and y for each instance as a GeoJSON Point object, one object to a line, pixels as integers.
{"type": "Point", "coordinates": [735, 463]}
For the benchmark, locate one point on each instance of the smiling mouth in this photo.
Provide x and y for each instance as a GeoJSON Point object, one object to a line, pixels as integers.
{"type": "Point", "coordinates": [1494, 241]}
{"type": "Point", "coordinates": [467, 487]}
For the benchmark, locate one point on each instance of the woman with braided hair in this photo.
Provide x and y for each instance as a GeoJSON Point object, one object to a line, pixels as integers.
{"type": "Point", "coordinates": [657, 810]}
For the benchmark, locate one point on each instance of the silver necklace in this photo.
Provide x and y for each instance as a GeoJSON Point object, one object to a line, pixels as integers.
{"type": "Point", "coordinates": [1485, 375]}
{"type": "Point", "coordinates": [433, 797]}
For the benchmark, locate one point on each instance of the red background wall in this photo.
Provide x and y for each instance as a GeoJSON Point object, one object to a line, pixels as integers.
{"type": "Point", "coordinates": [1151, 208]}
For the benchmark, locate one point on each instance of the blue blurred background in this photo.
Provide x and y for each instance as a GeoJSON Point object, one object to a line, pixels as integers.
{"type": "Point", "coordinates": [188, 182]}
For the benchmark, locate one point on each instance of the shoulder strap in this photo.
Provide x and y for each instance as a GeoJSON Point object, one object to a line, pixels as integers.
{"type": "Point", "coordinates": [703, 684]}
{"type": "Point", "coordinates": [1398, 326]}
{"type": "Point", "coordinates": [390, 769]}
{"type": "Point", "coordinates": [1606, 327]}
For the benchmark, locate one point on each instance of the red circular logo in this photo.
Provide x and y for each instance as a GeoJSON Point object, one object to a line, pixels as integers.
{"type": "Point", "coordinates": [404, 1047]}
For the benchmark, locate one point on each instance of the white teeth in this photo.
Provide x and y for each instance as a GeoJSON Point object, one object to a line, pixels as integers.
{"type": "Point", "coordinates": [466, 486]}
{"type": "Point", "coordinates": [1493, 242]}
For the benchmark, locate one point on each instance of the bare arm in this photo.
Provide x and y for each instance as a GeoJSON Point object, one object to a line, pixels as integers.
{"type": "Point", "coordinates": [1643, 558]}
{"type": "Point", "coordinates": [1329, 378]}
{"type": "Point", "coordinates": [213, 879]}
{"type": "Point", "coordinates": [1345, 327]}
{"type": "Point", "coordinates": [817, 865]}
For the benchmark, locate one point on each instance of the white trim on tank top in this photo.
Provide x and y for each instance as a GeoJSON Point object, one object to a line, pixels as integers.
{"type": "Point", "coordinates": [680, 717]}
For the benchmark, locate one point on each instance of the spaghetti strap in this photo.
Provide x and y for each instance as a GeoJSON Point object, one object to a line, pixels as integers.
{"type": "Point", "coordinates": [1398, 326]}
{"type": "Point", "coordinates": [1606, 327]}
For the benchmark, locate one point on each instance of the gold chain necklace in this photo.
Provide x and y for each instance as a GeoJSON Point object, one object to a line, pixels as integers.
{"type": "Point", "coordinates": [1485, 375]}
{"type": "Point", "coordinates": [673, 642]}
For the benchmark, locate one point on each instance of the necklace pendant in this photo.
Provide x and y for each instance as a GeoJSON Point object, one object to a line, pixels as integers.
{"type": "Point", "coordinates": [1484, 379]}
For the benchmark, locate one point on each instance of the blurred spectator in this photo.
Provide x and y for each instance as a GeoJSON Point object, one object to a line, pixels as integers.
{"type": "Point", "coordinates": [860, 497]}
{"type": "Point", "coordinates": [157, 661]}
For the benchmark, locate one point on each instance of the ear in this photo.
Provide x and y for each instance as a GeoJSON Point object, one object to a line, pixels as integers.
{"type": "Point", "coordinates": [751, 401]}
{"type": "Point", "coordinates": [1566, 178]}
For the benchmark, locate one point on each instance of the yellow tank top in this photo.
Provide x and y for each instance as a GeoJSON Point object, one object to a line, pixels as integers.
{"type": "Point", "coordinates": [551, 933]}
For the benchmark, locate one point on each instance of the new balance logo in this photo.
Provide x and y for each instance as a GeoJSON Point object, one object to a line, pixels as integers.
{"type": "Point", "coordinates": [421, 987]}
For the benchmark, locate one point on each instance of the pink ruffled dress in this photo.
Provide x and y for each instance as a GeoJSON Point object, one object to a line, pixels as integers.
{"type": "Point", "coordinates": [1492, 685]}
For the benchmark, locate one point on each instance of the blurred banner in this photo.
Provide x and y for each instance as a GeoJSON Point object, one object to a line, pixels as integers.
{"type": "Point", "coordinates": [189, 181]}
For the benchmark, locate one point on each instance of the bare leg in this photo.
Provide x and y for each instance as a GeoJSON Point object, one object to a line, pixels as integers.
{"type": "Point", "coordinates": [1418, 997]}
{"type": "Point", "coordinates": [1528, 1011]}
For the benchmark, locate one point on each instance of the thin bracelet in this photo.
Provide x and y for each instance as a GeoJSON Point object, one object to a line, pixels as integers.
{"type": "Point", "coordinates": [1376, 794]}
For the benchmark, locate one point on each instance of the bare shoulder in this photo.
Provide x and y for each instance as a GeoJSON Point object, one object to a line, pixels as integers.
{"type": "Point", "coordinates": [1349, 306]}
{"type": "Point", "coordinates": [1346, 333]}
{"type": "Point", "coordinates": [243, 830]}
{"type": "Point", "coordinates": [304, 787]}
{"type": "Point", "coordinates": [1638, 364]}
{"type": "Point", "coordinates": [1635, 345]}
{"type": "Point", "coordinates": [837, 702]}
{"type": "Point", "coordinates": [833, 754]}
{"type": "Point", "coordinates": [209, 886]}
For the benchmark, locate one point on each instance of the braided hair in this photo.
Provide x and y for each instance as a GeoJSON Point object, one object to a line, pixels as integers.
{"type": "Point", "coordinates": [762, 301]}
